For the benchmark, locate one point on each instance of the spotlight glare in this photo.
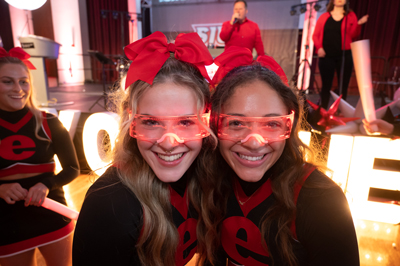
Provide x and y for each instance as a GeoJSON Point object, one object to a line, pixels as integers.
{"type": "Point", "coordinates": [27, 4]}
{"type": "Point", "coordinates": [103, 14]}
{"type": "Point", "coordinates": [115, 15]}
{"type": "Point", "coordinates": [303, 9]}
{"type": "Point", "coordinates": [293, 11]}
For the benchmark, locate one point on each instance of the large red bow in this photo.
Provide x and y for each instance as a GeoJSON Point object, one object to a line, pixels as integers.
{"type": "Point", "coordinates": [149, 54]}
{"type": "Point", "coordinates": [270, 63]}
{"type": "Point", "coordinates": [17, 52]}
{"type": "Point", "coordinates": [236, 56]}
{"type": "Point", "coordinates": [232, 57]}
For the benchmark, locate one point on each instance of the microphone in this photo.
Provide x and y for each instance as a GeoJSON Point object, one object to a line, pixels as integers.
{"type": "Point", "coordinates": [235, 21]}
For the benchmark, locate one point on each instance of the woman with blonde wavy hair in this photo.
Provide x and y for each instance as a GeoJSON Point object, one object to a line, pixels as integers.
{"type": "Point", "coordinates": [154, 205]}
{"type": "Point", "coordinates": [29, 139]}
{"type": "Point", "coordinates": [281, 209]}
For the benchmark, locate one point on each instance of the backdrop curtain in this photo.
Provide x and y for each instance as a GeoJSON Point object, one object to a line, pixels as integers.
{"type": "Point", "coordinates": [383, 32]}
{"type": "Point", "coordinates": [105, 34]}
{"type": "Point", "coordinates": [382, 29]}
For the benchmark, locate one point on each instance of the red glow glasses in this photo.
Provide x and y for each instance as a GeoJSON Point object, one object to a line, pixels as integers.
{"type": "Point", "coordinates": [263, 129]}
{"type": "Point", "coordinates": [177, 128]}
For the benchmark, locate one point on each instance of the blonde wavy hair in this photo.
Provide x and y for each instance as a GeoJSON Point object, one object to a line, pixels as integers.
{"type": "Point", "coordinates": [159, 236]}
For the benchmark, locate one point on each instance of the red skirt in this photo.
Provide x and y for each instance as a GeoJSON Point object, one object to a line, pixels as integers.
{"type": "Point", "coordinates": [25, 228]}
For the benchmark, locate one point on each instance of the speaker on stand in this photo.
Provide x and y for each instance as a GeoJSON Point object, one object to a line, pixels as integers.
{"type": "Point", "coordinates": [104, 61]}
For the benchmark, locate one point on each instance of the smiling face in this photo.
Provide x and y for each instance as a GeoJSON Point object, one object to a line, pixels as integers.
{"type": "Point", "coordinates": [15, 88]}
{"type": "Point", "coordinates": [251, 159]}
{"type": "Point", "coordinates": [169, 159]}
{"type": "Point", "coordinates": [240, 8]}
{"type": "Point", "coordinates": [339, 3]}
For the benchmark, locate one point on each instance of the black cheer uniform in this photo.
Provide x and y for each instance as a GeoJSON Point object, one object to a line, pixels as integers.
{"type": "Point", "coordinates": [323, 228]}
{"type": "Point", "coordinates": [24, 228]}
{"type": "Point", "coordinates": [110, 223]}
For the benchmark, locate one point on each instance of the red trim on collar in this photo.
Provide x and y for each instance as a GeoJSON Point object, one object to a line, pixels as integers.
{"type": "Point", "coordinates": [180, 203]}
{"type": "Point", "coordinates": [17, 126]}
{"type": "Point", "coordinates": [261, 194]}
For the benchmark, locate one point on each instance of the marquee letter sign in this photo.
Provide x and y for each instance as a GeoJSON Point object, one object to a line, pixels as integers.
{"type": "Point", "coordinates": [367, 172]}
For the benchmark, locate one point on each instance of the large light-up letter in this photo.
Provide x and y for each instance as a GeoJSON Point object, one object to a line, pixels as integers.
{"type": "Point", "coordinates": [363, 176]}
{"type": "Point", "coordinates": [305, 137]}
{"type": "Point", "coordinates": [100, 131]}
{"type": "Point", "coordinates": [352, 159]}
{"type": "Point", "coordinates": [70, 119]}
{"type": "Point", "coordinates": [339, 158]}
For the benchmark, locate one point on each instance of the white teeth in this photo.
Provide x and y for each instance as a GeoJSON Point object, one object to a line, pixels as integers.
{"type": "Point", "coordinates": [170, 158]}
{"type": "Point", "coordinates": [17, 97]}
{"type": "Point", "coordinates": [249, 158]}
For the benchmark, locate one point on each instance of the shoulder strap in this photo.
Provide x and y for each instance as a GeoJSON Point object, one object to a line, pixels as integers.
{"type": "Point", "coordinates": [45, 125]}
{"type": "Point", "coordinates": [297, 188]}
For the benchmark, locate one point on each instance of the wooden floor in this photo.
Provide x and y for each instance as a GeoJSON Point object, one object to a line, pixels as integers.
{"type": "Point", "coordinates": [87, 98]}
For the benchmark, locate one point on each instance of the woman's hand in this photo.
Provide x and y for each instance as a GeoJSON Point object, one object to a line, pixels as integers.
{"type": "Point", "coordinates": [12, 192]}
{"type": "Point", "coordinates": [363, 20]}
{"type": "Point", "coordinates": [36, 195]}
{"type": "Point", "coordinates": [321, 52]}
{"type": "Point", "coordinates": [383, 127]}
{"type": "Point", "coordinates": [234, 16]}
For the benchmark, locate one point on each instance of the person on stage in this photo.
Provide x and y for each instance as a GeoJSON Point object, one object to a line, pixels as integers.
{"type": "Point", "coordinates": [154, 205]}
{"type": "Point", "coordinates": [29, 139]}
{"type": "Point", "coordinates": [240, 31]}
{"type": "Point", "coordinates": [281, 208]}
{"type": "Point", "coordinates": [334, 32]}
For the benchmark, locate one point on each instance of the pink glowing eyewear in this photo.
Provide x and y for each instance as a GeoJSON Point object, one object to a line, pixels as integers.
{"type": "Point", "coordinates": [263, 129]}
{"type": "Point", "coordinates": [177, 128]}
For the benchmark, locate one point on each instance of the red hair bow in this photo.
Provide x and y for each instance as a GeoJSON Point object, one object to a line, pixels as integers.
{"type": "Point", "coordinates": [149, 54]}
{"type": "Point", "coordinates": [270, 63]}
{"type": "Point", "coordinates": [232, 57]}
{"type": "Point", "coordinates": [236, 56]}
{"type": "Point", "coordinates": [17, 52]}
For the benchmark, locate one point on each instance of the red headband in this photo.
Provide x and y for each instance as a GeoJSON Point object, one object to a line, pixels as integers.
{"type": "Point", "coordinates": [149, 54]}
{"type": "Point", "coordinates": [236, 56]}
{"type": "Point", "coordinates": [17, 52]}
{"type": "Point", "coordinates": [232, 57]}
{"type": "Point", "coordinates": [270, 63]}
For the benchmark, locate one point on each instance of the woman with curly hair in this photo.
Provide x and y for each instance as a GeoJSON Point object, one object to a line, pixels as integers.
{"type": "Point", "coordinates": [280, 208]}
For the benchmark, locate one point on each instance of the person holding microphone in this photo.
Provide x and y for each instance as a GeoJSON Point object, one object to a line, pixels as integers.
{"type": "Point", "coordinates": [240, 31]}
